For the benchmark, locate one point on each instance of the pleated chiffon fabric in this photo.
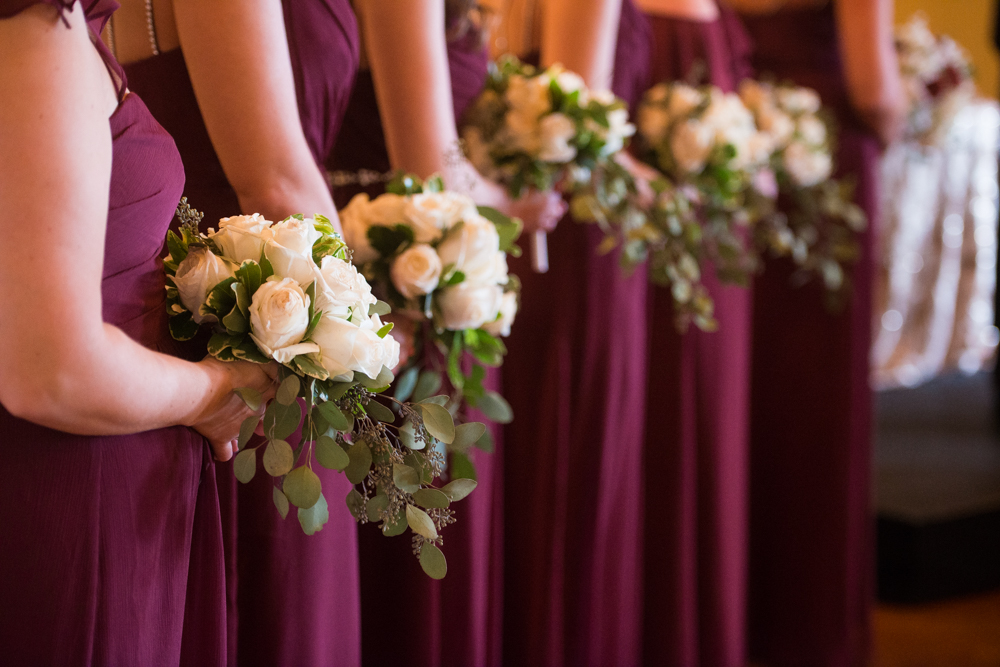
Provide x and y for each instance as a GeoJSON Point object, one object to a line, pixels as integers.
{"type": "Point", "coordinates": [112, 549]}
{"type": "Point", "coordinates": [575, 376]}
{"type": "Point", "coordinates": [697, 430]}
{"type": "Point", "coordinates": [457, 620]}
{"type": "Point", "coordinates": [292, 599]}
{"type": "Point", "coordinates": [811, 576]}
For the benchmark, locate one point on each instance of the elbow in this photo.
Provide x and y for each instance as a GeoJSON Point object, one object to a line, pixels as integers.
{"type": "Point", "coordinates": [42, 398]}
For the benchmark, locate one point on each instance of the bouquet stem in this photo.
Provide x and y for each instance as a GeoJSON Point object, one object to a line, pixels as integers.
{"type": "Point", "coordinates": [540, 252]}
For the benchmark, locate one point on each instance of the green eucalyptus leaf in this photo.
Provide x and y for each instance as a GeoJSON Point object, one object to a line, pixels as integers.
{"type": "Point", "coordinates": [330, 454]}
{"type": "Point", "coordinates": [379, 308]}
{"type": "Point", "coordinates": [302, 486]}
{"type": "Point", "coordinates": [466, 435]}
{"type": "Point", "coordinates": [383, 379]}
{"type": "Point", "coordinates": [406, 383]}
{"type": "Point", "coordinates": [278, 458]}
{"type": "Point", "coordinates": [312, 519]}
{"type": "Point", "coordinates": [247, 429]}
{"type": "Point", "coordinates": [334, 416]}
{"type": "Point", "coordinates": [396, 527]}
{"type": "Point", "coordinates": [251, 397]}
{"type": "Point", "coordinates": [408, 436]}
{"type": "Point", "coordinates": [280, 501]}
{"type": "Point", "coordinates": [438, 422]}
{"type": "Point", "coordinates": [485, 443]}
{"type": "Point", "coordinates": [384, 331]}
{"type": "Point", "coordinates": [360, 455]}
{"type": "Point", "coordinates": [440, 399]}
{"type": "Point", "coordinates": [405, 477]}
{"type": "Point", "coordinates": [338, 390]}
{"type": "Point", "coordinates": [495, 407]}
{"type": "Point", "coordinates": [420, 522]}
{"type": "Point", "coordinates": [288, 391]}
{"type": "Point", "coordinates": [431, 498]}
{"type": "Point", "coordinates": [428, 383]}
{"type": "Point", "coordinates": [355, 503]}
{"type": "Point", "coordinates": [378, 411]}
{"type": "Point", "coordinates": [280, 421]}
{"type": "Point", "coordinates": [245, 465]}
{"type": "Point", "coordinates": [461, 467]}
{"type": "Point", "coordinates": [458, 489]}
{"type": "Point", "coordinates": [433, 562]}
{"type": "Point", "coordinates": [376, 506]}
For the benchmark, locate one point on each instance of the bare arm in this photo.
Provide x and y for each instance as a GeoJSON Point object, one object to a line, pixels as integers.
{"type": "Point", "coordinates": [870, 66]}
{"type": "Point", "coordinates": [238, 59]}
{"type": "Point", "coordinates": [408, 55]}
{"type": "Point", "coordinates": [582, 35]}
{"type": "Point", "coordinates": [63, 367]}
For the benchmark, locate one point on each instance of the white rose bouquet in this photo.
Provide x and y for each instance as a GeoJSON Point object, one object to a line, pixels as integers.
{"type": "Point", "coordinates": [286, 292]}
{"type": "Point", "coordinates": [937, 78]}
{"type": "Point", "coordinates": [818, 223]}
{"type": "Point", "coordinates": [442, 263]}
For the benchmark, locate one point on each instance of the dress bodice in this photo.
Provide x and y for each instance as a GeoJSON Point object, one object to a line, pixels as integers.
{"type": "Point", "coordinates": [323, 45]}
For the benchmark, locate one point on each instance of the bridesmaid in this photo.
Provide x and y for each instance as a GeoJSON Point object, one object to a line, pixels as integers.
{"type": "Point", "coordinates": [253, 125]}
{"type": "Point", "coordinates": [811, 529]}
{"type": "Point", "coordinates": [575, 376]}
{"type": "Point", "coordinates": [427, 64]}
{"type": "Point", "coordinates": [112, 549]}
{"type": "Point", "coordinates": [697, 436]}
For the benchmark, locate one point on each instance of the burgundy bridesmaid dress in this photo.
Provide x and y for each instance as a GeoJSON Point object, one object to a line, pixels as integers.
{"type": "Point", "coordinates": [293, 599]}
{"type": "Point", "coordinates": [697, 431]}
{"type": "Point", "coordinates": [811, 529]}
{"type": "Point", "coordinates": [576, 378]}
{"type": "Point", "coordinates": [455, 621]}
{"type": "Point", "coordinates": [112, 546]}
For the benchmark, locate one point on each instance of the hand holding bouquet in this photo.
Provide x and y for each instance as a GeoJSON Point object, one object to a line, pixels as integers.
{"type": "Point", "coordinates": [286, 293]}
{"type": "Point", "coordinates": [441, 262]}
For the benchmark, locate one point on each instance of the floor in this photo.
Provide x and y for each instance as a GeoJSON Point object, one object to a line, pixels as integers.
{"type": "Point", "coordinates": [938, 454]}
{"type": "Point", "coordinates": [956, 633]}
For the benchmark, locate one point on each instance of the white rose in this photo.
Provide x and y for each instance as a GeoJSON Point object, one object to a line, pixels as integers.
{"type": "Point", "coordinates": [776, 123]}
{"type": "Point", "coordinates": [469, 305]}
{"type": "Point", "coordinates": [653, 122]}
{"type": "Point", "coordinates": [555, 132]}
{"type": "Point", "coordinates": [416, 271]}
{"type": "Point", "coordinates": [288, 246]}
{"type": "Point", "coordinates": [806, 167]}
{"type": "Point", "coordinates": [798, 100]}
{"type": "Point", "coordinates": [279, 317]}
{"type": "Point", "coordinates": [508, 309]}
{"type": "Point", "coordinates": [335, 337]}
{"type": "Point", "coordinates": [683, 100]}
{"type": "Point", "coordinates": [472, 249]}
{"type": "Point", "coordinates": [658, 93]}
{"type": "Point", "coordinates": [618, 129]}
{"type": "Point", "coordinates": [521, 131]}
{"type": "Point", "coordinates": [812, 130]}
{"type": "Point", "coordinates": [296, 235]}
{"type": "Point", "coordinates": [529, 96]}
{"type": "Point", "coordinates": [239, 237]}
{"type": "Point", "coordinates": [432, 213]}
{"type": "Point", "coordinates": [691, 145]}
{"type": "Point", "coordinates": [361, 214]}
{"type": "Point", "coordinates": [196, 276]}
{"type": "Point", "coordinates": [342, 289]}
{"type": "Point", "coordinates": [370, 352]}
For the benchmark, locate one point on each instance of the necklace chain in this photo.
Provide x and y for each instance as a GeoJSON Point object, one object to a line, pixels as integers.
{"type": "Point", "coordinates": [151, 25]}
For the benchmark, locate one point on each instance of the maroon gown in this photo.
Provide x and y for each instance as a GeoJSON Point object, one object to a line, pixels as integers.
{"type": "Point", "coordinates": [293, 599]}
{"type": "Point", "coordinates": [576, 376]}
{"type": "Point", "coordinates": [697, 430]}
{"type": "Point", "coordinates": [112, 547]}
{"type": "Point", "coordinates": [811, 531]}
{"type": "Point", "coordinates": [456, 621]}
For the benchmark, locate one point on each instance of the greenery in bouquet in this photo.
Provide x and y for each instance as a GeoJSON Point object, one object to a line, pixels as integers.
{"type": "Point", "coordinates": [287, 293]}
{"type": "Point", "coordinates": [817, 222]}
{"type": "Point", "coordinates": [541, 128]}
{"type": "Point", "coordinates": [937, 79]}
{"type": "Point", "coordinates": [441, 262]}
